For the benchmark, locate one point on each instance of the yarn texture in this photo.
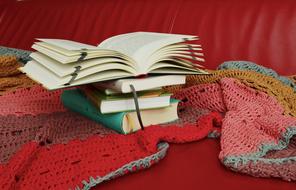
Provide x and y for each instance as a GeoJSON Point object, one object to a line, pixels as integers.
{"type": "Point", "coordinates": [10, 77]}
{"type": "Point", "coordinates": [250, 66]}
{"type": "Point", "coordinates": [285, 94]}
{"type": "Point", "coordinates": [250, 111]}
{"type": "Point", "coordinates": [22, 55]}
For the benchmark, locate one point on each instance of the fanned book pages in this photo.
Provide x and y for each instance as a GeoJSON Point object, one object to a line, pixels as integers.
{"type": "Point", "coordinates": [61, 63]}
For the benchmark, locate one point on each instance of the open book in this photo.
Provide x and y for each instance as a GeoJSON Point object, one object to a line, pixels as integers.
{"type": "Point", "coordinates": [62, 63]}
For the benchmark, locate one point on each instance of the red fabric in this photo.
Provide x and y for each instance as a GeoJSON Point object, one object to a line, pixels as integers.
{"type": "Point", "coordinates": [63, 166]}
{"type": "Point", "coordinates": [262, 31]}
{"type": "Point", "coordinates": [193, 166]}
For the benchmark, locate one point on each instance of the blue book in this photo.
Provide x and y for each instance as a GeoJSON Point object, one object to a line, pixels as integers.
{"type": "Point", "coordinates": [122, 122]}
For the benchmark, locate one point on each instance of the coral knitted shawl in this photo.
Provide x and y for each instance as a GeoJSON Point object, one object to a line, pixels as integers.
{"type": "Point", "coordinates": [45, 146]}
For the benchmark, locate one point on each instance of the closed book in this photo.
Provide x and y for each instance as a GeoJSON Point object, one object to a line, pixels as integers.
{"type": "Point", "coordinates": [125, 102]}
{"type": "Point", "coordinates": [122, 122]}
{"type": "Point", "coordinates": [109, 91]}
{"type": "Point", "coordinates": [140, 84]}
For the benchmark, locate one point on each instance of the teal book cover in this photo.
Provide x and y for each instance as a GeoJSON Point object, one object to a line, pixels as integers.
{"type": "Point", "coordinates": [75, 100]}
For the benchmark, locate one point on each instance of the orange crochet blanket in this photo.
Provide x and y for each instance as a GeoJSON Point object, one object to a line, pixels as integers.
{"type": "Point", "coordinates": [10, 77]}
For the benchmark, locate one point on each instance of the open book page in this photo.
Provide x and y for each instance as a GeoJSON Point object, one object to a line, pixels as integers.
{"type": "Point", "coordinates": [68, 44]}
{"type": "Point", "coordinates": [66, 51]}
{"type": "Point", "coordinates": [51, 81]}
{"type": "Point", "coordinates": [90, 66]}
{"type": "Point", "coordinates": [63, 63]}
{"type": "Point", "coordinates": [141, 45]}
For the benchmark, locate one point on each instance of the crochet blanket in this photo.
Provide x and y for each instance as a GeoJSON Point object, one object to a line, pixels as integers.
{"type": "Point", "coordinates": [249, 108]}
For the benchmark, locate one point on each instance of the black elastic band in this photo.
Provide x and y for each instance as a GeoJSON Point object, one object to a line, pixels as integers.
{"type": "Point", "coordinates": [190, 48]}
{"type": "Point", "coordinates": [77, 68]}
{"type": "Point", "coordinates": [74, 75]}
{"type": "Point", "coordinates": [82, 56]}
{"type": "Point", "coordinates": [137, 106]}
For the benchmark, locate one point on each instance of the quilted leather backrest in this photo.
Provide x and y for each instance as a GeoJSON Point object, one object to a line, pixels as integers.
{"type": "Point", "coordinates": [89, 21]}
{"type": "Point", "coordinates": [262, 31]}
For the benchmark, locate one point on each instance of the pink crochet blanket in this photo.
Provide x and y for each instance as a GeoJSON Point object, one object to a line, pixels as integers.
{"type": "Point", "coordinates": [45, 146]}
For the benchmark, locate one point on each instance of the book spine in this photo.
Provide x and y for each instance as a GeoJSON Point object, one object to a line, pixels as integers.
{"type": "Point", "coordinates": [76, 101]}
{"type": "Point", "coordinates": [92, 98]}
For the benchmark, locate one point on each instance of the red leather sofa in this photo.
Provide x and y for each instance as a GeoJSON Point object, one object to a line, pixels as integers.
{"type": "Point", "coordinates": [262, 31]}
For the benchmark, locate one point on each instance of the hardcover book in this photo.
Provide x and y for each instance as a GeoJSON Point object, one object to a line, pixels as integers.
{"type": "Point", "coordinates": [122, 122]}
{"type": "Point", "coordinates": [140, 84]}
{"type": "Point", "coordinates": [125, 102]}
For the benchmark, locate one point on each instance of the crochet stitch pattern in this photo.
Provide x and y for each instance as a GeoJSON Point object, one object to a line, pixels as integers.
{"type": "Point", "coordinates": [45, 146]}
{"type": "Point", "coordinates": [9, 66]}
{"type": "Point", "coordinates": [268, 84]}
{"type": "Point", "coordinates": [22, 55]}
{"type": "Point", "coordinates": [94, 156]}
{"type": "Point", "coordinates": [253, 125]}
{"type": "Point", "coordinates": [273, 87]}
{"type": "Point", "coordinates": [293, 78]}
{"type": "Point", "coordinates": [56, 128]}
{"type": "Point", "coordinates": [34, 100]}
{"type": "Point", "coordinates": [11, 78]}
{"type": "Point", "coordinates": [250, 66]}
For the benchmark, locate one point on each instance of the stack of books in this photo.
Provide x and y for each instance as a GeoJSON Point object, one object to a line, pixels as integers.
{"type": "Point", "coordinates": [145, 60]}
{"type": "Point", "coordinates": [108, 105]}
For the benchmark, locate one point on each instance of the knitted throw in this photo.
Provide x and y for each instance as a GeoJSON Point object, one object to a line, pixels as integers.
{"type": "Point", "coordinates": [45, 146]}
{"type": "Point", "coordinates": [22, 55]}
{"type": "Point", "coordinates": [10, 77]}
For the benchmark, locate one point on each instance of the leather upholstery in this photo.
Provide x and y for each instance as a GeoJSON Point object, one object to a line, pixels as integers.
{"type": "Point", "coordinates": [263, 31]}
